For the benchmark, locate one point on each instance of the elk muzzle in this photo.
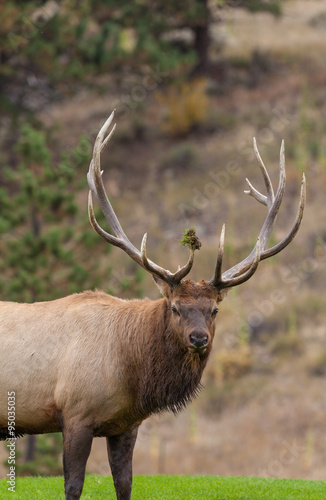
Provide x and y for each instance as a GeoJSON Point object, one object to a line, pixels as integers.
{"type": "Point", "coordinates": [198, 340]}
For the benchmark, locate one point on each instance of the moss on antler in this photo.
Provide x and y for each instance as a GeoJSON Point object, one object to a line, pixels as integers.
{"type": "Point", "coordinates": [190, 239]}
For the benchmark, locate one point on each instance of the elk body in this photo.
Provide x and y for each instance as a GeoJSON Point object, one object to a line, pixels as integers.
{"type": "Point", "coordinates": [94, 365]}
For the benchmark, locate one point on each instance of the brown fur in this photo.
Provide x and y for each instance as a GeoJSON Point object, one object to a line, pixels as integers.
{"type": "Point", "coordinates": [94, 365]}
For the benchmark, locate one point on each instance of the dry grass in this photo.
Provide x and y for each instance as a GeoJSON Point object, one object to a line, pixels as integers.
{"type": "Point", "coordinates": [231, 364]}
{"type": "Point", "coordinates": [251, 435]}
{"type": "Point", "coordinates": [292, 35]}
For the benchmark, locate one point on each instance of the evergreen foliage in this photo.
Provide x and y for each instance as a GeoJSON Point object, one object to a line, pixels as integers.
{"type": "Point", "coordinates": [45, 241]}
{"type": "Point", "coordinates": [65, 42]}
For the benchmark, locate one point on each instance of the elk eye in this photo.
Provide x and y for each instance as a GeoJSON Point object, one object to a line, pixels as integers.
{"type": "Point", "coordinates": [175, 310]}
{"type": "Point", "coordinates": [214, 312]}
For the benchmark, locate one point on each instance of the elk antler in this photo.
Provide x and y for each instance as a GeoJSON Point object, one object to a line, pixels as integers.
{"type": "Point", "coordinates": [245, 269]}
{"type": "Point", "coordinates": [118, 238]}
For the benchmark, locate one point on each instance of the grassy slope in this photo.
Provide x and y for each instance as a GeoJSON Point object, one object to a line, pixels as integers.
{"type": "Point", "coordinates": [174, 487]}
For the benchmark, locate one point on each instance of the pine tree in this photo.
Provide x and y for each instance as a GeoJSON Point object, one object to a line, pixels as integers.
{"type": "Point", "coordinates": [44, 239]}
{"type": "Point", "coordinates": [82, 39]}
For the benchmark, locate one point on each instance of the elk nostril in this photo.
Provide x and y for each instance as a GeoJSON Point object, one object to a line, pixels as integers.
{"type": "Point", "coordinates": [198, 341]}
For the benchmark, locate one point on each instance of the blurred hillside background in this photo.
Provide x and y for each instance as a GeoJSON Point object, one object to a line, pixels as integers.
{"type": "Point", "coordinates": [192, 82]}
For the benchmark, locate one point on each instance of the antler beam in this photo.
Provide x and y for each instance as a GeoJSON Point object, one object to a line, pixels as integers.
{"type": "Point", "coordinates": [245, 269]}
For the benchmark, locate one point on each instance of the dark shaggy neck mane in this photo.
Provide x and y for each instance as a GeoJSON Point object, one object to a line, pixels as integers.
{"type": "Point", "coordinates": [169, 374]}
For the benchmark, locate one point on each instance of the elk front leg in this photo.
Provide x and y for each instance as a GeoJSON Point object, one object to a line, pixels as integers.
{"type": "Point", "coordinates": [120, 451]}
{"type": "Point", "coordinates": [77, 443]}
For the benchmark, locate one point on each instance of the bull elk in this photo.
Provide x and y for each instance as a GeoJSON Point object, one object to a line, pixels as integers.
{"type": "Point", "coordinates": [91, 364]}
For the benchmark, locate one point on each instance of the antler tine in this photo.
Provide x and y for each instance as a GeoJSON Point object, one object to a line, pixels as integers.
{"type": "Point", "coordinates": [119, 238]}
{"type": "Point", "coordinates": [267, 180]}
{"type": "Point", "coordinates": [275, 206]}
{"type": "Point", "coordinates": [265, 200]}
{"type": "Point", "coordinates": [184, 270]}
{"type": "Point", "coordinates": [238, 280]}
{"type": "Point", "coordinates": [238, 273]}
{"type": "Point", "coordinates": [218, 268]}
{"type": "Point", "coordinates": [145, 261]}
{"type": "Point", "coordinates": [294, 229]}
{"type": "Point", "coordinates": [256, 194]}
{"type": "Point", "coordinates": [172, 278]}
{"type": "Point", "coordinates": [273, 209]}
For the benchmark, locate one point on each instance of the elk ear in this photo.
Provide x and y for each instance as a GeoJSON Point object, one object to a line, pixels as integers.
{"type": "Point", "coordinates": [164, 288]}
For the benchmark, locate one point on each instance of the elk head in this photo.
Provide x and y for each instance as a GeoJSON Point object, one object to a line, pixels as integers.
{"type": "Point", "coordinates": [193, 306]}
{"type": "Point", "coordinates": [193, 309]}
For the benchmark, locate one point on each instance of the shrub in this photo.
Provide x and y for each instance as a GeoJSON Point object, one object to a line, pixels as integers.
{"type": "Point", "coordinates": [185, 107]}
{"type": "Point", "coordinates": [179, 158]}
{"type": "Point", "coordinates": [317, 365]}
{"type": "Point", "coordinates": [232, 364]}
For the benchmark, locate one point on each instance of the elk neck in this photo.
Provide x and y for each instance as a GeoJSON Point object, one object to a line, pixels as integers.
{"type": "Point", "coordinates": [166, 375]}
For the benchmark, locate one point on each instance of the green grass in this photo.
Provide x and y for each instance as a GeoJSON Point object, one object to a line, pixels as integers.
{"type": "Point", "coordinates": [173, 488]}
